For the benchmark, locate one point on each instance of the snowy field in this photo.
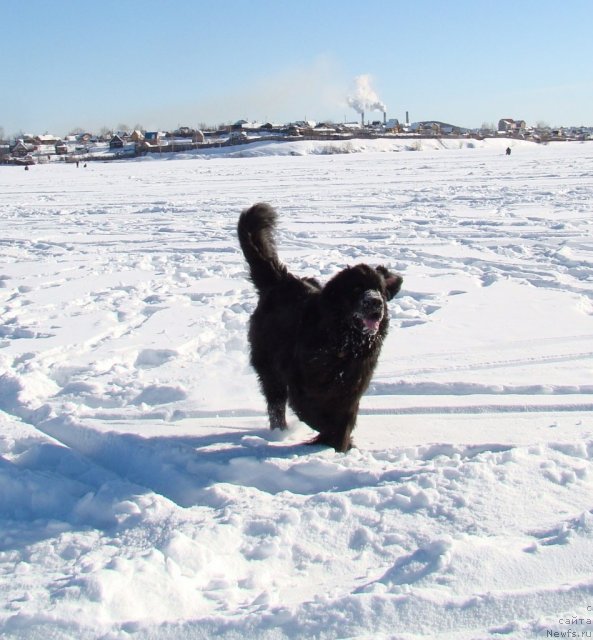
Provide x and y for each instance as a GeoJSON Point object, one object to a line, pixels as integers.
{"type": "Point", "coordinates": [141, 494]}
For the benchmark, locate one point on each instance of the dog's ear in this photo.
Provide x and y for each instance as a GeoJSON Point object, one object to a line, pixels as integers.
{"type": "Point", "coordinates": [393, 282]}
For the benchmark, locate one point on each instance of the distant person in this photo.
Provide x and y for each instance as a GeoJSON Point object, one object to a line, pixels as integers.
{"type": "Point", "coordinates": [508, 151]}
{"type": "Point", "coordinates": [26, 167]}
{"type": "Point", "coordinates": [84, 166]}
{"type": "Point", "coordinates": [77, 163]}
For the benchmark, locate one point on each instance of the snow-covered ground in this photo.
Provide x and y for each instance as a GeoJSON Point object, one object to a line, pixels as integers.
{"type": "Point", "coordinates": [141, 494]}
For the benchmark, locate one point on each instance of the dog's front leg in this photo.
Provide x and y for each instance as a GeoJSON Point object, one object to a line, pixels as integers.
{"type": "Point", "coordinates": [339, 434]}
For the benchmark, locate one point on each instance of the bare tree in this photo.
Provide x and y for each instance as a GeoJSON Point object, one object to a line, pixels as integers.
{"type": "Point", "coordinates": [488, 126]}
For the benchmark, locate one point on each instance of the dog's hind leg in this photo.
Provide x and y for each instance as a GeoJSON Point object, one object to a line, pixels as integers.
{"type": "Point", "coordinates": [276, 396]}
{"type": "Point", "coordinates": [277, 416]}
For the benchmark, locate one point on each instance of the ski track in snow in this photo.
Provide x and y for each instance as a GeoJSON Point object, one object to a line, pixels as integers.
{"type": "Point", "coordinates": [141, 495]}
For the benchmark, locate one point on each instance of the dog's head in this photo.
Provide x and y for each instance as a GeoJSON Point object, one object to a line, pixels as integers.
{"type": "Point", "coordinates": [358, 296]}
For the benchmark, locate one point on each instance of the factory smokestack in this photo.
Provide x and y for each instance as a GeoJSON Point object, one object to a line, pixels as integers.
{"type": "Point", "coordinates": [407, 118]}
{"type": "Point", "coordinates": [362, 118]}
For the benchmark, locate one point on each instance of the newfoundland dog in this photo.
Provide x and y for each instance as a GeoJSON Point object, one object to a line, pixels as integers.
{"type": "Point", "coordinates": [313, 346]}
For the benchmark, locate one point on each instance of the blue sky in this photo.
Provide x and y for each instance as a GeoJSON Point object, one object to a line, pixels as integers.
{"type": "Point", "coordinates": [163, 63]}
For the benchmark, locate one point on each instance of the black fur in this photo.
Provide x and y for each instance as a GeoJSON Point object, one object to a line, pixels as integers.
{"type": "Point", "coordinates": [314, 347]}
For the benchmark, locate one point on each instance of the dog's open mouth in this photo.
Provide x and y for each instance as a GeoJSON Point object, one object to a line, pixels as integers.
{"type": "Point", "coordinates": [371, 322]}
{"type": "Point", "coordinates": [371, 312]}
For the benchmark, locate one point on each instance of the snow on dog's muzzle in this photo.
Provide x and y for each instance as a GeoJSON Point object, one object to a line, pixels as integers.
{"type": "Point", "coordinates": [371, 311]}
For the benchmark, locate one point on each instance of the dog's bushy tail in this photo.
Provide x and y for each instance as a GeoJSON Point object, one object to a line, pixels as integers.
{"type": "Point", "coordinates": [256, 237]}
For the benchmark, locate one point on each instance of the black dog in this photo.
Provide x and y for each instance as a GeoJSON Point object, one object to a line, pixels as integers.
{"type": "Point", "coordinates": [315, 347]}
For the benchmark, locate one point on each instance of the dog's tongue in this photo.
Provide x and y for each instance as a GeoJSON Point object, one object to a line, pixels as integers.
{"type": "Point", "coordinates": [371, 324]}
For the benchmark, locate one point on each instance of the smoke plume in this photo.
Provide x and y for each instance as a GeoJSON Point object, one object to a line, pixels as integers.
{"type": "Point", "coordinates": [364, 98]}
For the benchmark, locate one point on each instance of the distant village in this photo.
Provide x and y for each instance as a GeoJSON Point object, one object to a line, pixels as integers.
{"type": "Point", "coordinates": [82, 146]}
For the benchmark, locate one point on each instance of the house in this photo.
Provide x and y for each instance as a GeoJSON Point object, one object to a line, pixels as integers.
{"type": "Point", "coordinates": [426, 128]}
{"type": "Point", "coordinates": [46, 139]}
{"type": "Point", "coordinates": [20, 149]}
{"type": "Point", "coordinates": [324, 128]}
{"type": "Point", "coordinates": [508, 125]}
{"type": "Point", "coordinates": [301, 127]}
{"type": "Point", "coordinates": [24, 160]}
{"type": "Point", "coordinates": [292, 130]}
{"type": "Point", "coordinates": [61, 148]}
{"type": "Point", "coordinates": [137, 136]}
{"type": "Point", "coordinates": [437, 128]}
{"type": "Point", "coordinates": [116, 142]}
{"type": "Point", "coordinates": [152, 141]}
{"type": "Point", "coordinates": [153, 138]}
{"type": "Point", "coordinates": [184, 132]}
{"type": "Point", "coordinates": [271, 127]}
{"type": "Point", "coordinates": [244, 125]}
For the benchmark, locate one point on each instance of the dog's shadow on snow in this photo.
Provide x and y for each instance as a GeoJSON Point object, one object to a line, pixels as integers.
{"type": "Point", "coordinates": [189, 470]}
{"type": "Point", "coordinates": [105, 480]}
{"type": "Point", "coordinates": [90, 478]}
{"type": "Point", "coordinates": [85, 478]}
